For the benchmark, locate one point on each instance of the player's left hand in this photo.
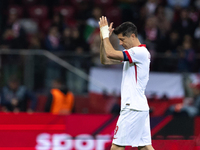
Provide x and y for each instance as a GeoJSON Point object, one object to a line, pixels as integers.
{"type": "Point", "coordinates": [103, 21]}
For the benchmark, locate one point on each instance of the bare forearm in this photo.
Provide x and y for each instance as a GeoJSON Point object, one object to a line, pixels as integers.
{"type": "Point", "coordinates": [108, 53]}
{"type": "Point", "coordinates": [111, 53]}
{"type": "Point", "coordinates": [103, 56]}
{"type": "Point", "coordinates": [108, 47]}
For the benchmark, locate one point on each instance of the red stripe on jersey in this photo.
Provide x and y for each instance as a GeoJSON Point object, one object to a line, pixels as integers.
{"type": "Point", "coordinates": [135, 73]}
{"type": "Point", "coordinates": [129, 57]}
{"type": "Point", "coordinates": [142, 45]}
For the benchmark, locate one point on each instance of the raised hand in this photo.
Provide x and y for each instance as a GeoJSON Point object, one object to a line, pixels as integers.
{"type": "Point", "coordinates": [103, 23]}
{"type": "Point", "coordinates": [110, 29]}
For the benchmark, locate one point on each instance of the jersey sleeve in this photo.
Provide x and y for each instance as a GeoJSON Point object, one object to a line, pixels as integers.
{"type": "Point", "coordinates": [125, 56]}
{"type": "Point", "coordinates": [136, 55]}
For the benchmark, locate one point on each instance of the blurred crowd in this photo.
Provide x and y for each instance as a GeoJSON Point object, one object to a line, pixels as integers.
{"type": "Point", "coordinates": [169, 28]}
{"type": "Point", "coordinates": [15, 97]}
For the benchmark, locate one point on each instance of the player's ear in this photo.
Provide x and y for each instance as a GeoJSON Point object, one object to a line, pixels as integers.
{"type": "Point", "coordinates": [133, 35]}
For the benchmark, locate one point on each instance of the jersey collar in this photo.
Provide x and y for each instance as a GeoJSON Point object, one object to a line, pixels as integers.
{"type": "Point", "coordinates": [142, 45]}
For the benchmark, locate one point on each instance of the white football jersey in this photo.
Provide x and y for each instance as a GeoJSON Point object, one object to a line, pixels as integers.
{"type": "Point", "coordinates": [134, 78]}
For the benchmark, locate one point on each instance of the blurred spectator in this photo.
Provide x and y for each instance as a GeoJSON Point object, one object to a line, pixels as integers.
{"type": "Point", "coordinates": [66, 39]}
{"type": "Point", "coordinates": [112, 102]}
{"type": "Point", "coordinates": [19, 34]}
{"type": "Point", "coordinates": [184, 25]}
{"type": "Point", "coordinates": [168, 47]}
{"type": "Point", "coordinates": [142, 19]}
{"type": "Point", "coordinates": [178, 3]}
{"type": "Point", "coordinates": [93, 21]}
{"type": "Point", "coordinates": [58, 22]}
{"type": "Point", "coordinates": [115, 107]}
{"type": "Point", "coordinates": [190, 106]}
{"type": "Point", "coordinates": [197, 3]}
{"type": "Point", "coordinates": [8, 39]}
{"type": "Point", "coordinates": [197, 36]}
{"type": "Point", "coordinates": [35, 42]}
{"type": "Point", "coordinates": [60, 99]}
{"type": "Point", "coordinates": [128, 10]}
{"type": "Point", "coordinates": [53, 44]}
{"type": "Point", "coordinates": [83, 11]}
{"type": "Point", "coordinates": [186, 55]}
{"type": "Point", "coordinates": [91, 32]}
{"type": "Point", "coordinates": [95, 50]}
{"type": "Point", "coordinates": [151, 6]}
{"type": "Point", "coordinates": [172, 42]}
{"type": "Point", "coordinates": [72, 41]}
{"type": "Point", "coordinates": [151, 35]}
{"type": "Point", "coordinates": [162, 22]}
{"type": "Point", "coordinates": [15, 97]}
{"type": "Point", "coordinates": [194, 14]}
{"type": "Point", "coordinates": [151, 32]}
{"type": "Point", "coordinates": [52, 41]}
{"type": "Point", "coordinates": [196, 96]}
{"type": "Point", "coordinates": [92, 25]}
{"type": "Point", "coordinates": [77, 43]}
{"type": "Point", "coordinates": [197, 32]}
{"type": "Point", "coordinates": [10, 63]}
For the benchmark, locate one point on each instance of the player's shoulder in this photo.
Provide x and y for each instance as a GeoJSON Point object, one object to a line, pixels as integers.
{"type": "Point", "coordinates": [139, 50]}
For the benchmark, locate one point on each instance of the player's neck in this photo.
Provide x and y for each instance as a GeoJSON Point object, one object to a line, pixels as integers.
{"type": "Point", "coordinates": [137, 43]}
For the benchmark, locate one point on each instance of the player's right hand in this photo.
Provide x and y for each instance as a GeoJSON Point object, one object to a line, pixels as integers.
{"type": "Point", "coordinates": [110, 31]}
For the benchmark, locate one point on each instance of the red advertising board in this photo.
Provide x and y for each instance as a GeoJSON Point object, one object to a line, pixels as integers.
{"type": "Point", "coordinates": [43, 131]}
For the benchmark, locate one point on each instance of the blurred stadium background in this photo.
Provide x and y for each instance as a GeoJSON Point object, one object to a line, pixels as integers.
{"type": "Point", "coordinates": [47, 44]}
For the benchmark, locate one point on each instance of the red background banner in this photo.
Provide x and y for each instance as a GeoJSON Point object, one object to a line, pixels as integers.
{"type": "Point", "coordinates": [42, 131]}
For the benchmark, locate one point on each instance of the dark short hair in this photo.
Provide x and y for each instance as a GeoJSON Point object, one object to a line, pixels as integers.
{"type": "Point", "coordinates": [126, 28]}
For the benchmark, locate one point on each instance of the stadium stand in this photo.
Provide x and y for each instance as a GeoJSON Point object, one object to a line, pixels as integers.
{"type": "Point", "coordinates": [38, 12]}
{"type": "Point", "coordinates": [15, 9]}
{"type": "Point", "coordinates": [66, 11]}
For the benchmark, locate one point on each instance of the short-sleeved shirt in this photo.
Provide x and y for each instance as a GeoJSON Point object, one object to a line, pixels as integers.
{"type": "Point", "coordinates": [134, 78]}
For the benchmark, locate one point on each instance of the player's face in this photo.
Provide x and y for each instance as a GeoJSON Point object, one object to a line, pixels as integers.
{"type": "Point", "coordinates": [125, 41]}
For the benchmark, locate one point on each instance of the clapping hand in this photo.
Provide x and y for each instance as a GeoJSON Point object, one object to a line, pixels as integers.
{"type": "Point", "coordinates": [103, 22]}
